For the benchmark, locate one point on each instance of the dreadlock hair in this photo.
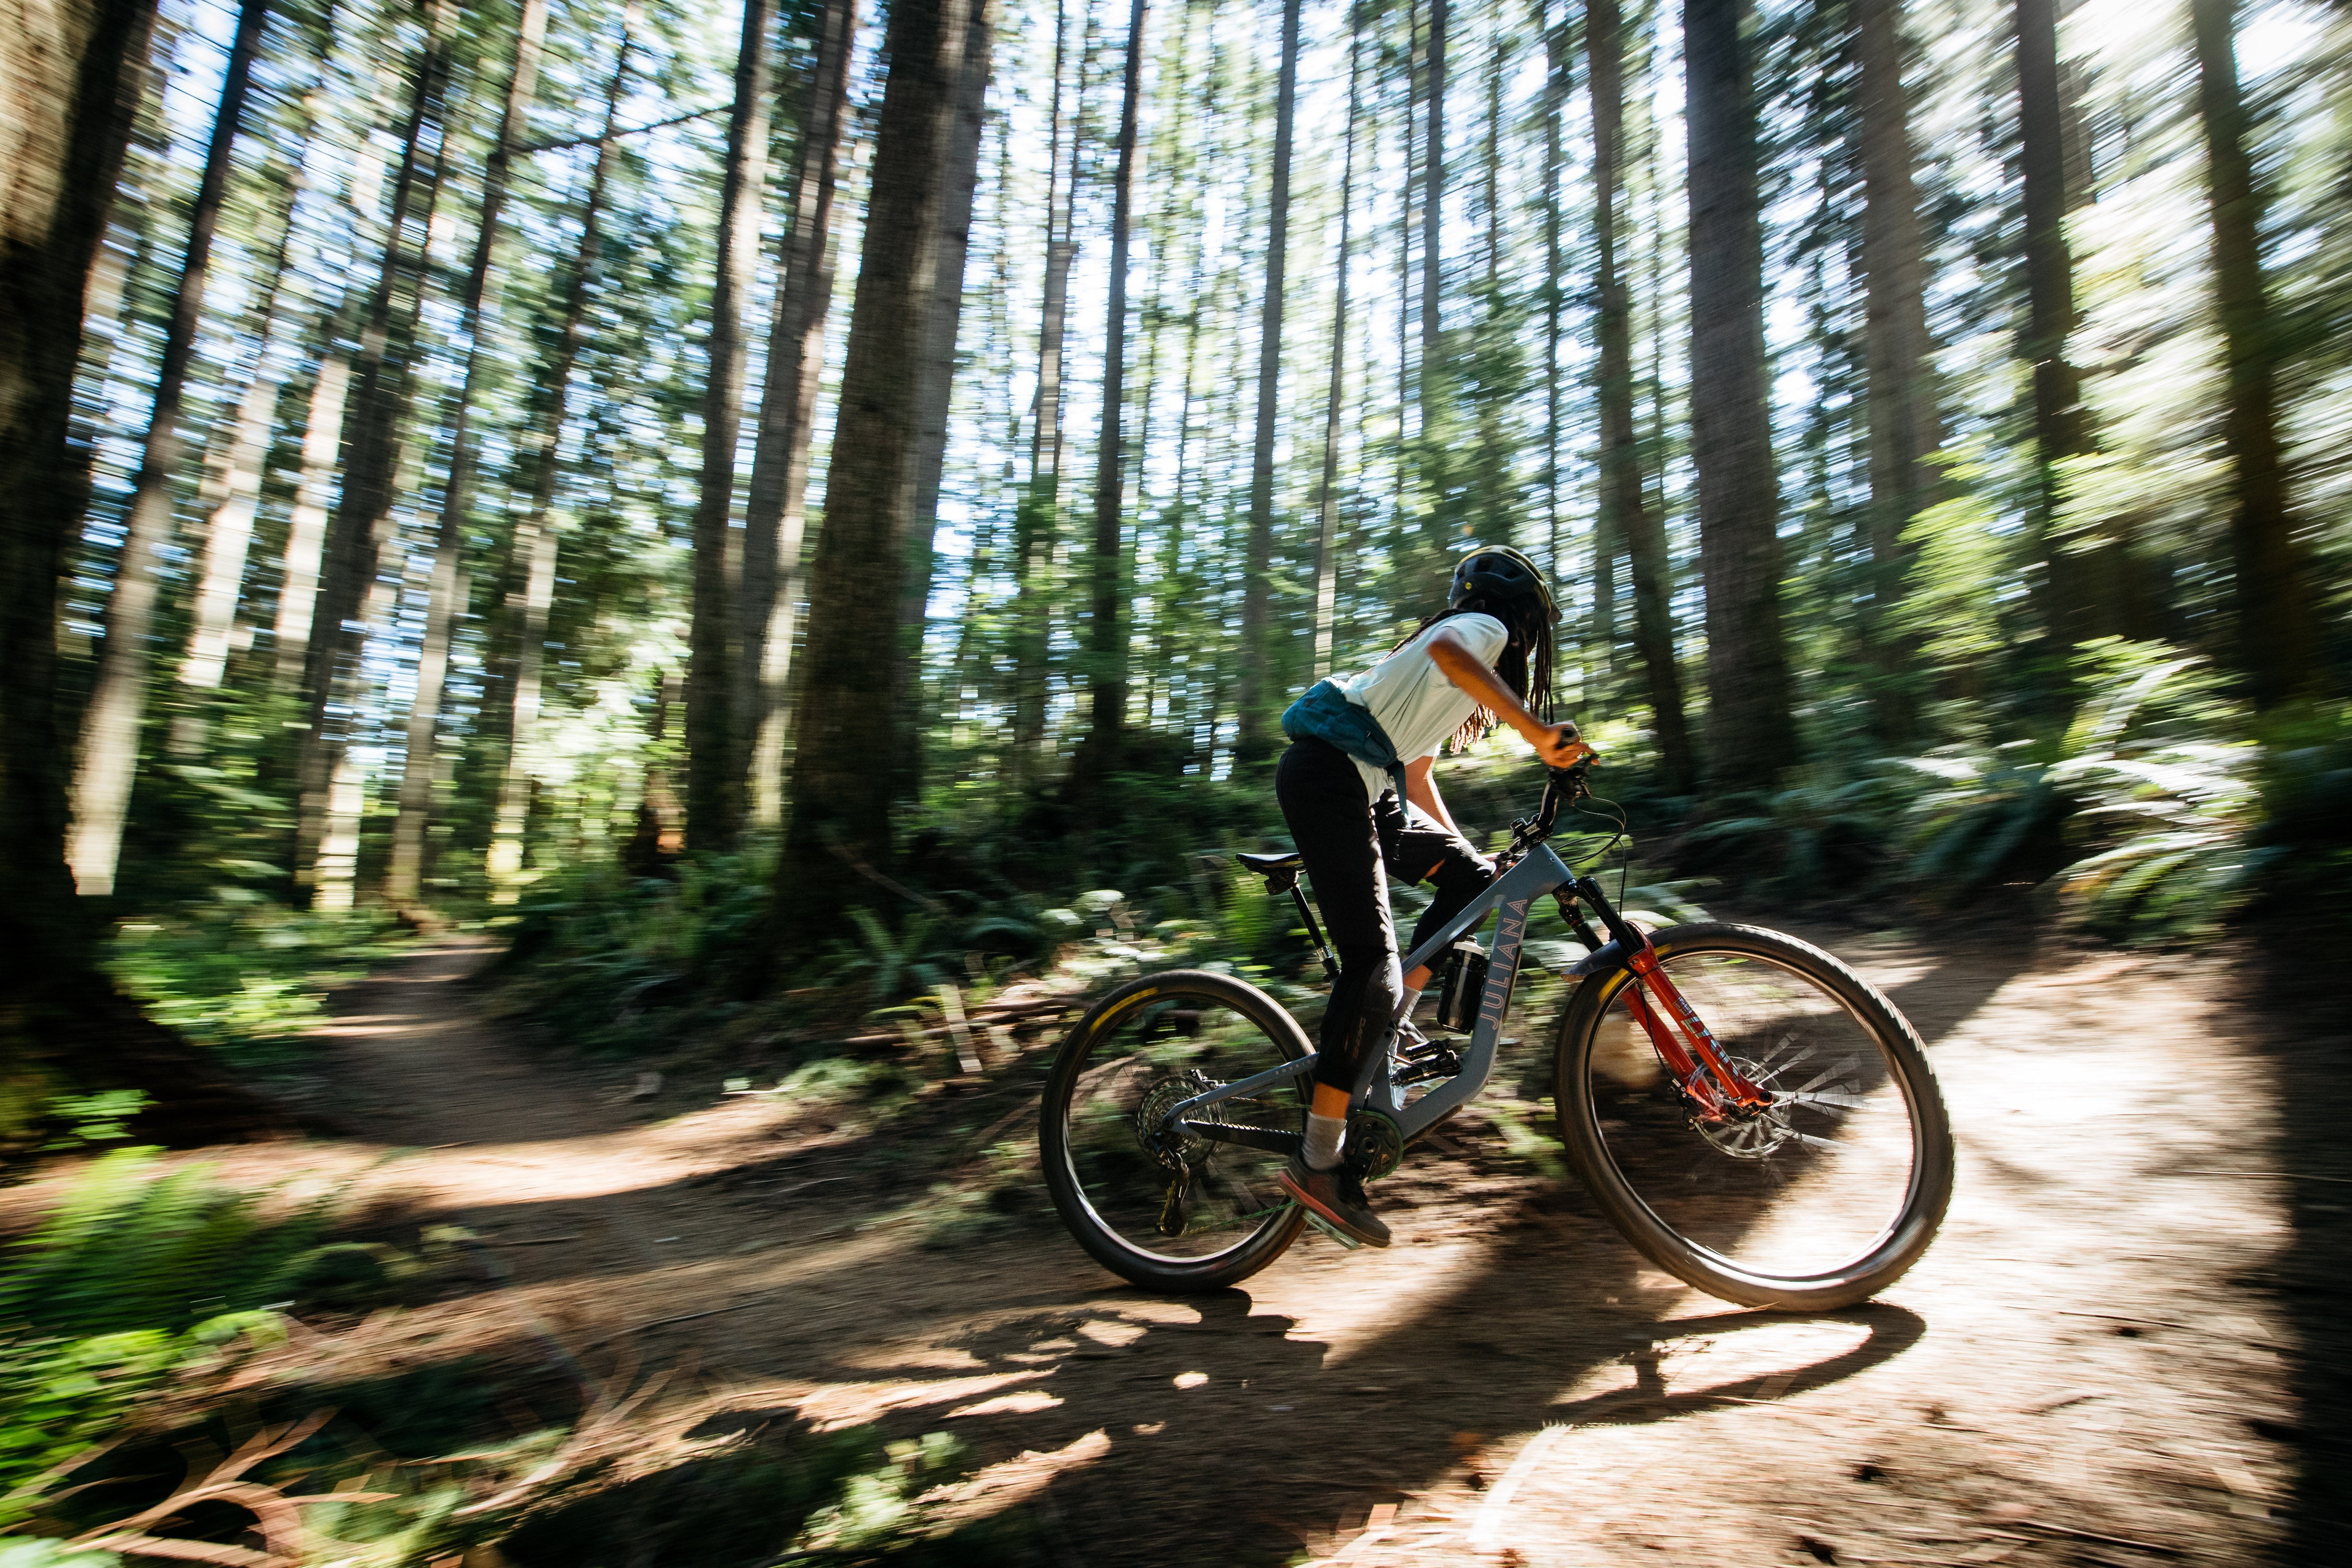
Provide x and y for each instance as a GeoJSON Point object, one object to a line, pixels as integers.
{"type": "Point", "coordinates": [1525, 664]}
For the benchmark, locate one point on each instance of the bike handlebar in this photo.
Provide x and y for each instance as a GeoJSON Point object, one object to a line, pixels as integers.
{"type": "Point", "coordinates": [1561, 786]}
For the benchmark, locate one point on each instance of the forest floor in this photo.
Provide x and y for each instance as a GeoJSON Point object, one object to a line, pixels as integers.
{"type": "Point", "coordinates": [2123, 1349]}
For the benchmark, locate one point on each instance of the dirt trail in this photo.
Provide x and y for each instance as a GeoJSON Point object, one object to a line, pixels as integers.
{"type": "Point", "coordinates": [2107, 1358]}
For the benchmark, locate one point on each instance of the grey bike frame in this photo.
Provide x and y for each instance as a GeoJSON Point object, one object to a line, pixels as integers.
{"type": "Point", "coordinates": [1538, 872]}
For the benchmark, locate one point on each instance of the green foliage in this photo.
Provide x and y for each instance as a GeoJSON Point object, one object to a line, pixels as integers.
{"type": "Point", "coordinates": [595, 950]}
{"type": "Point", "coordinates": [134, 1278]}
{"type": "Point", "coordinates": [1820, 840]}
{"type": "Point", "coordinates": [2139, 821]}
{"type": "Point", "coordinates": [130, 1247]}
{"type": "Point", "coordinates": [2301, 858]}
{"type": "Point", "coordinates": [244, 976]}
{"type": "Point", "coordinates": [1956, 551]}
{"type": "Point", "coordinates": [100, 1117]}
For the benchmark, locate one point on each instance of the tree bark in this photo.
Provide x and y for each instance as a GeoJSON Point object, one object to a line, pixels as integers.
{"type": "Point", "coordinates": [1036, 521]}
{"type": "Point", "coordinates": [854, 698]}
{"type": "Point", "coordinates": [1493, 513]}
{"type": "Point", "coordinates": [1557, 84]}
{"type": "Point", "coordinates": [775, 510]}
{"type": "Point", "coordinates": [535, 538]}
{"type": "Point", "coordinates": [2278, 640]}
{"type": "Point", "coordinates": [445, 593]}
{"type": "Point", "coordinates": [715, 774]}
{"type": "Point", "coordinates": [1435, 386]}
{"type": "Point", "coordinates": [76, 75]}
{"type": "Point", "coordinates": [1254, 738]}
{"type": "Point", "coordinates": [1106, 629]}
{"type": "Point", "coordinates": [1327, 520]}
{"type": "Point", "coordinates": [362, 523]}
{"type": "Point", "coordinates": [1750, 737]}
{"type": "Point", "coordinates": [1623, 513]}
{"type": "Point", "coordinates": [1899, 380]}
{"type": "Point", "coordinates": [962, 177]}
{"type": "Point", "coordinates": [107, 759]}
{"type": "Point", "coordinates": [2061, 424]}
{"type": "Point", "coordinates": [65, 125]}
{"type": "Point", "coordinates": [306, 528]}
{"type": "Point", "coordinates": [234, 487]}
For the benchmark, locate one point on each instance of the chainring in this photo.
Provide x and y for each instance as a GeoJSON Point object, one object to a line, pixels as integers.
{"type": "Point", "coordinates": [1375, 1144]}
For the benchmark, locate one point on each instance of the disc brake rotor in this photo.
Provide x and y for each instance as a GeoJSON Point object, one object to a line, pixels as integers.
{"type": "Point", "coordinates": [1752, 1136]}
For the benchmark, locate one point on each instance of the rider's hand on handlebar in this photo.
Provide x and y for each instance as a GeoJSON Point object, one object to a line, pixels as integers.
{"type": "Point", "coordinates": [1563, 747]}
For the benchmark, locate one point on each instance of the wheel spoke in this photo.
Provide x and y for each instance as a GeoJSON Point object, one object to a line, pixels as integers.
{"type": "Point", "coordinates": [1810, 1186]}
{"type": "Point", "coordinates": [1163, 1191]}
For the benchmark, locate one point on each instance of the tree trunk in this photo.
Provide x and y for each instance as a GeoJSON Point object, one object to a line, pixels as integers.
{"type": "Point", "coordinates": [714, 775]}
{"type": "Point", "coordinates": [962, 177]}
{"type": "Point", "coordinates": [1624, 513]}
{"type": "Point", "coordinates": [1435, 387]}
{"type": "Point", "coordinates": [1107, 630]}
{"type": "Point", "coordinates": [306, 528]}
{"type": "Point", "coordinates": [76, 74]}
{"type": "Point", "coordinates": [1492, 489]}
{"type": "Point", "coordinates": [445, 593]}
{"type": "Point", "coordinates": [853, 699]}
{"type": "Point", "coordinates": [1750, 737]}
{"type": "Point", "coordinates": [1405, 546]}
{"type": "Point", "coordinates": [67, 114]}
{"type": "Point", "coordinates": [109, 755]}
{"type": "Point", "coordinates": [1254, 739]}
{"type": "Point", "coordinates": [371, 455]}
{"type": "Point", "coordinates": [535, 538]}
{"type": "Point", "coordinates": [1327, 521]}
{"type": "Point", "coordinates": [1036, 521]}
{"type": "Point", "coordinates": [2061, 424]}
{"type": "Point", "coordinates": [234, 489]}
{"type": "Point", "coordinates": [1554, 102]}
{"type": "Point", "coordinates": [1899, 372]}
{"type": "Point", "coordinates": [2277, 631]}
{"type": "Point", "coordinates": [775, 510]}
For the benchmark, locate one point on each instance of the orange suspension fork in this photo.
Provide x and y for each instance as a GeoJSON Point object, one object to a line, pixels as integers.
{"type": "Point", "coordinates": [1682, 1040]}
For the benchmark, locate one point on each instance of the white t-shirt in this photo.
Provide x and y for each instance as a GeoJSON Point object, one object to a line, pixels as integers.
{"type": "Point", "coordinates": [1415, 705]}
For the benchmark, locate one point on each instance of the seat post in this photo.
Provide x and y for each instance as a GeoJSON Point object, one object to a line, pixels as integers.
{"type": "Point", "coordinates": [1313, 931]}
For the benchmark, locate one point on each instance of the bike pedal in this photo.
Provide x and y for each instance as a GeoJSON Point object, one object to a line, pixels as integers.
{"type": "Point", "coordinates": [1333, 1231]}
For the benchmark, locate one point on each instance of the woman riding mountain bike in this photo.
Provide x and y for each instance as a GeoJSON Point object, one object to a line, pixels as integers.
{"type": "Point", "coordinates": [1358, 795]}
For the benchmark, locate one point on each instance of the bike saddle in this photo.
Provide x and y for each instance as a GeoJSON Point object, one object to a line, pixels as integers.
{"type": "Point", "coordinates": [1270, 865]}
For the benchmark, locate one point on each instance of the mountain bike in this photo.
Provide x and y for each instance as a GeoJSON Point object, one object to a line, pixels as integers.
{"type": "Point", "coordinates": [1757, 1118]}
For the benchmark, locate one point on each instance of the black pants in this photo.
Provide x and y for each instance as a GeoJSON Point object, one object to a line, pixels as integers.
{"type": "Point", "coordinates": [1343, 842]}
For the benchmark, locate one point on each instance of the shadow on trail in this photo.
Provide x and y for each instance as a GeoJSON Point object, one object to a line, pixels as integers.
{"type": "Point", "coordinates": [1232, 1439]}
{"type": "Point", "coordinates": [1286, 1442]}
{"type": "Point", "coordinates": [2312, 1279]}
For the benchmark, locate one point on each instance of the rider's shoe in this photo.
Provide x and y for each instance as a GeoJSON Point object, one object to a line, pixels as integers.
{"type": "Point", "coordinates": [1337, 1196]}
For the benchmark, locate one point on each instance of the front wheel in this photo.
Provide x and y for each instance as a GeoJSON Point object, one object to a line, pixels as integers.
{"type": "Point", "coordinates": [1821, 1199]}
{"type": "Point", "coordinates": [1159, 1202]}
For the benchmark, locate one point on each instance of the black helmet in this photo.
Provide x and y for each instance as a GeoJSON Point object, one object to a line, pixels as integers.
{"type": "Point", "coordinates": [1500, 572]}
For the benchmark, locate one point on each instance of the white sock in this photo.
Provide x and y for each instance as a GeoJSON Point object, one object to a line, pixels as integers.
{"type": "Point", "coordinates": [1324, 1136]}
{"type": "Point", "coordinates": [1412, 1000]}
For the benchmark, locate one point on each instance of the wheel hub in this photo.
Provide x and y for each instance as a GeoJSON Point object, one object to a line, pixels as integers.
{"type": "Point", "coordinates": [1748, 1134]}
{"type": "Point", "coordinates": [1171, 1145]}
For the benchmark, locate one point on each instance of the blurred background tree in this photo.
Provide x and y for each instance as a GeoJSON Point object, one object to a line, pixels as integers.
{"type": "Point", "coordinates": [473, 463]}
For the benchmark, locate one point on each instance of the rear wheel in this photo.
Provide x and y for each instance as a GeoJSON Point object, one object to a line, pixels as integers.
{"type": "Point", "coordinates": [1823, 1198]}
{"type": "Point", "coordinates": [1171, 1209]}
